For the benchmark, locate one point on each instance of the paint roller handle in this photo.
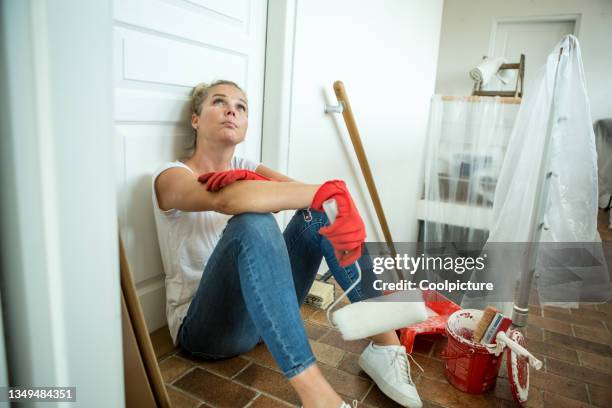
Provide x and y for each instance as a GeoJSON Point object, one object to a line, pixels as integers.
{"type": "Point", "coordinates": [331, 210]}
{"type": "Point", "coordinates": [502, 337]}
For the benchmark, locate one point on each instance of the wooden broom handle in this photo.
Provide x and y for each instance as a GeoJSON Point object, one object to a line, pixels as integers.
{"type": "Point", "coordinates": [347, 113]}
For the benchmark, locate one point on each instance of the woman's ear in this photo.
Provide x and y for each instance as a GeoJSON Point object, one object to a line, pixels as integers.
{"type": "Point", "coordinates": [195, 121]}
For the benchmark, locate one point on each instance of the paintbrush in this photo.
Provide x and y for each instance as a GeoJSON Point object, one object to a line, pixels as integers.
{"type": "Point", "coordinates": [484, 322]}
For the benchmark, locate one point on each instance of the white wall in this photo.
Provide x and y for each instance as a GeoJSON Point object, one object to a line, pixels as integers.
{"type": "Point", "coordinates": [59, 264]}
{"type": "Point", "coordinates": [385, 52]}
{"type": "Point", "coordinates": [466, 29]}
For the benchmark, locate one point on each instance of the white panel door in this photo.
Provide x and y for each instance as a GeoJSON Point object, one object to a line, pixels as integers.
{"type": "Point", "coordinates": [161, 49]}
{"type": "Point", "coordinates": [535, 39]}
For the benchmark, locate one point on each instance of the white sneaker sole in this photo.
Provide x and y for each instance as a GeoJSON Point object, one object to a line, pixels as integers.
{"type": "Point", "coordinates": [386, 389]}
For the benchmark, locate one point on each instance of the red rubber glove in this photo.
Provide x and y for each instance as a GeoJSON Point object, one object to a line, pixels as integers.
{"type": "Point", "coordinates": [347, 233]}
{"type": "Point", "coordinates": [215, 181]}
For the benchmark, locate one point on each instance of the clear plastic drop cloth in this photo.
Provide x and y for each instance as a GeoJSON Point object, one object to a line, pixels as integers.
{"type": "Point", "coordinates": [466, 143]}
{"type": "Point", "coordinates": [571, 266]}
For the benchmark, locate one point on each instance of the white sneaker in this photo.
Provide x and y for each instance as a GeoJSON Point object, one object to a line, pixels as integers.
{"type": "Point", "coordinates": [390, 370]}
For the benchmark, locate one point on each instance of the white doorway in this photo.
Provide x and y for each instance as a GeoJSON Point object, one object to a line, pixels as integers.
{"type": "Point", "coordinates": [534, 37]}
{"type": "Point", "coordinates": [161, 49]}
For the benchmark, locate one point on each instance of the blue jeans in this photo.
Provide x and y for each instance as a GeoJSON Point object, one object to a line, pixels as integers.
{"type": "Point", "coordinates": [253, 286]}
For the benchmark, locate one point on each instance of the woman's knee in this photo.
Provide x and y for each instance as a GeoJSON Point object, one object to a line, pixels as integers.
{"type": "Point", "coordinates": [258, 232]}
{"type": "Point", "coordinates": [257, 225]}
{"type": "Point", "coordinates": [251, 219]}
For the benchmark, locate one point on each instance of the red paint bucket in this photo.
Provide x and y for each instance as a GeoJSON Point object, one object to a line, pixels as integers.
{"type": "Point", "coordinates": [469, 366]}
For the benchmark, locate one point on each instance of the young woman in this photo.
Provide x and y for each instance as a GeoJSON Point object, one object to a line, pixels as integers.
{"type": "Point", "coordinates": [233, 278]}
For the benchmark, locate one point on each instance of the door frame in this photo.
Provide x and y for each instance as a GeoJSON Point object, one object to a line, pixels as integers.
{"type": "Point", "coordinates": [278, 72]}
{"type": "Point", "coordinates": [576, 18]}
{"type": "Point", "coordinates": [278, 87]}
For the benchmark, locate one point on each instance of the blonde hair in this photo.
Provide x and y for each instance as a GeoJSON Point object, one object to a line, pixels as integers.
{"type": "Point", "coordinates": [200, 92]}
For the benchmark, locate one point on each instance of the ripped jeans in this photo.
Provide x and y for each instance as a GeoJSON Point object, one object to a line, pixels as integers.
{"type": "Point", "coordinates": [253, 286]}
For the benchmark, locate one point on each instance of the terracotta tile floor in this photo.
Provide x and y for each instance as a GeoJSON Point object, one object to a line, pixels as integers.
{"type": "Point", "coordinates": [575, 346]}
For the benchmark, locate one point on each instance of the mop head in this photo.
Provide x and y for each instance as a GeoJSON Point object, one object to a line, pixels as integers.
{"type": "Point", "coordinates": [373, 316]}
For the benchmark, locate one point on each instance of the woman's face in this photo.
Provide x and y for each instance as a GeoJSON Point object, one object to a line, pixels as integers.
{"type": "Point", "coordinates": [224, 116]}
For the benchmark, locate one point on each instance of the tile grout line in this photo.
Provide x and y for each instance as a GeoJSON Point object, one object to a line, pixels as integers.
{"type": "Point", "coordinates": [580, 322]}
{"type": "Point", "coordinates": [166, 357]}
{"type": "Point", "coordinates": [250, 363]}
{"type": "Point", "coordinates": [189, 394]}
{"type": "Point", "coordinates": [262, 392]}
{"type": "Point", "coordinates": [274, 397]}
{"type": "Point", "coordinates": [248, 404]}
{"type": "Point", "coordinates": [233, 379]}
{"type": "Point", "coordinates": [341, 358]}
{"type": "Point", "coordinates": [257, 391]}
{"type": "Point", "coordinates": [193, 364]}
{"type": "Point", "coordinates": [261, 364]}
{"type": "Point", "coordinates": [588, 388]}
{"type": "Point", "coordinates": [367, 392]}
{"type": "Point", "coordinates": [183, 375]}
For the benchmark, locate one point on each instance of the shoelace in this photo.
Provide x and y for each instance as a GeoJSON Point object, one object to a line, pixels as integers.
{"type": "Point", "coordinates": [404, 365]}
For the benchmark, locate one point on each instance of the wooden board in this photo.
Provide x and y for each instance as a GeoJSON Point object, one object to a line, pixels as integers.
{"type": "Point", "coordinates": [141, 334]}
{"type": "Point", "coordinates": [138, 391]}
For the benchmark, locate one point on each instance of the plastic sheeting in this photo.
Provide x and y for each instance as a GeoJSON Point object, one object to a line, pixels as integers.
{"type": "Point", "coordinates": [466, 144]}
{"type": "Point", "coordinates": [557, 98]}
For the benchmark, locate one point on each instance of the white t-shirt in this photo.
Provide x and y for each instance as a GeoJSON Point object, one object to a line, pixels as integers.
{"type": "Point", "coordinates": [186, 241]}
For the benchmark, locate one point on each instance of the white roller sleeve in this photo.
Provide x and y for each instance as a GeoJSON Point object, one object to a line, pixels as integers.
{"type": "Point", "coordinates": [373, 316]}
{"type": "Point", "coordinates": [367, 318]}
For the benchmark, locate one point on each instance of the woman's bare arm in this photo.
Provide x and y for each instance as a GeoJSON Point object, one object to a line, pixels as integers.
{"type": "Point", "coordinates": [178, 188]}
{"type": "Point", "coordinates": [264, 196]}
{"type": "Point", "coordinates": [273, 174]}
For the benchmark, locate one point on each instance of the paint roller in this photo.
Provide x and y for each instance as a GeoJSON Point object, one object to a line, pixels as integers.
{"type": "Point", "coordinates": [377, 315]}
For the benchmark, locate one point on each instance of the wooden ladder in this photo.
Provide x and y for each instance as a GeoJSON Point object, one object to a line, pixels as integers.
{"type": "Point", "coordinates": [518, 90]}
